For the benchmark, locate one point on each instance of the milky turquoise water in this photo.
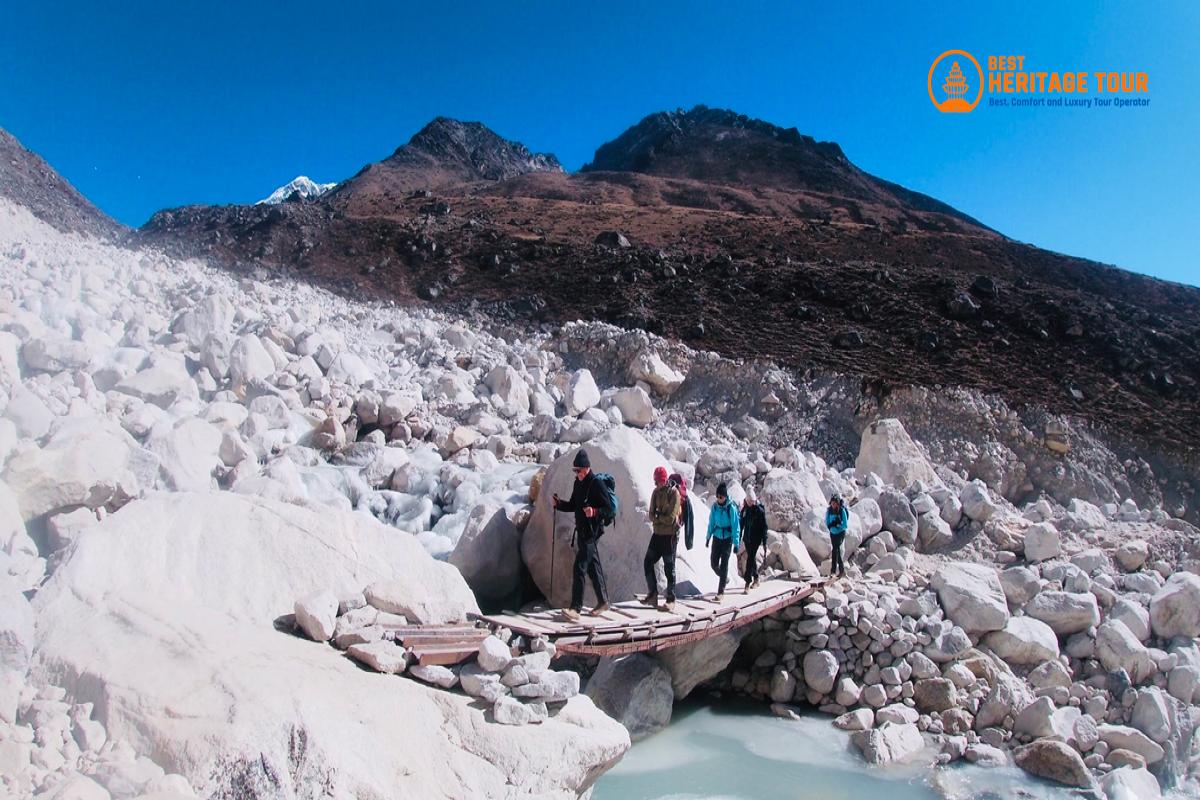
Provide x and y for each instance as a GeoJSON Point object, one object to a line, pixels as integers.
{"type": "Point", "coordinates": [738, 751]}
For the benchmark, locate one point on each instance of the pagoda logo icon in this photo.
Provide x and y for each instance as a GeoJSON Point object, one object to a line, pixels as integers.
{"type": "Point", "coordinates": [951, 90]}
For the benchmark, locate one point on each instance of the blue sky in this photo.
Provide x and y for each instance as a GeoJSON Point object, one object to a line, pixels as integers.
{"type": "Point", "coordinates": [151, 104]}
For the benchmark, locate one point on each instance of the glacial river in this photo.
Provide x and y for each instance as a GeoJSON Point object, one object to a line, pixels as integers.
{"type": "Point", "coordinates": [735, 750]}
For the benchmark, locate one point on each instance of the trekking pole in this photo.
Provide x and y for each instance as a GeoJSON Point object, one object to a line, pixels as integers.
{"type": "Point", "coordinates": [553, 536]}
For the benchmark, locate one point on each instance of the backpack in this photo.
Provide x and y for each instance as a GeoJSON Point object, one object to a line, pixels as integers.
{"type": "Point", "coordinates": [680, 484]}
{"type": "Point", "coordinates": [608, 493]}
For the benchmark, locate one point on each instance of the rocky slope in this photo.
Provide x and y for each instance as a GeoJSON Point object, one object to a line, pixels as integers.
{"type": "Point", "coordinates": [27, 180]}
{"type": "Point", "coordinates": [746, 239]}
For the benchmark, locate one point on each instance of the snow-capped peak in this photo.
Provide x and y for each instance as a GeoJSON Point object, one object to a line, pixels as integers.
{"type": "Point", "coordinates": [302, 186]}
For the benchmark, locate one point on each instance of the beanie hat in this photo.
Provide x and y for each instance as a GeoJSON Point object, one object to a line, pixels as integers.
{"type": "Point", "coordinates": [722, 490]}
{"type": "Point", "coordinates": [581, 459]}
{"type": "Point", "coordinates": [660, 474]}
{"type": "Point", "coordinates": [751, 497]}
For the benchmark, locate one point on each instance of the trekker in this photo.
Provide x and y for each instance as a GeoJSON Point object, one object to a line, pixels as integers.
{"type": "Point", "coordinates": [665, 515]}
{"type": "Point", "coordinates": [754, 534]}
{"type": "Point", "coordinates": [837, 519]}
{"type": "Point", "coordinates": [687, 520]}
{"type": "Point", "coordinates": [586, 501]}
{"type": "Point", "coordinates": [724, 528]}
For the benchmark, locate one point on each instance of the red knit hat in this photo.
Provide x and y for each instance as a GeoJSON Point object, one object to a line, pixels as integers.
{"type": "Point", "coordinates": [660, 474]}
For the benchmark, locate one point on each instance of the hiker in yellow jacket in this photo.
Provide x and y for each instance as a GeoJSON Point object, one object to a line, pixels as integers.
{"type": "Point", "coordinates": [666, 510]}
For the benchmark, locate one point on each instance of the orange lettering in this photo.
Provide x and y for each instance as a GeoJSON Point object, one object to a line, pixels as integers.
{"type": "Point", "coordinates": [1008, 82]}
{"type": "Point", "coordinates": [1143, 82]}
{"type": "Point", "coordinates": [1099, 81]}
{"type": "Point", "coordinates": [1020, 62]}
{"type": "Point", "coordinates": [992, 63]}
{"type": "Point", "coordinates": [1055, 86]}
{"type": "Point", "coordinates": [993, 81]}
{"type": "Point", "coordinates": [1022, 82]}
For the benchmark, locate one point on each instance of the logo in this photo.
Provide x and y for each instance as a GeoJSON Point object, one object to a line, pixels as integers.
{"type": "Point", "coordinates": [948, 82]}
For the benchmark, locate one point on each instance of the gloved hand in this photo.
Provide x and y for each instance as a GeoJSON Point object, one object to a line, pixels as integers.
{"type": "Point", "coordinates": [706, 541]}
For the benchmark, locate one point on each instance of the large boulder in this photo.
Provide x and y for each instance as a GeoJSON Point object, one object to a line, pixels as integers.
{"type": "Point", "coordinates": [1131, 783]}
{"type": "Point", "coordinates": [163, 616]}
{"type": "Point", "coordinates": [889, 452]}
{"type": "Point", "coordinates": [85, 462]}
{"type": "Point", "coordinates": [546, 542]}
{"type": "Point", "coordinates": [889, 743]}
{"type": "Point", "coordinates": [971, 596]}
{"type": "Point", "coordinates": [788, 497]}
{"type": "Point", "coordinates": [820, 670]}
{"type": "Point", "coordinates": [509, 387]}
{"type": "Point", "coordinates": [1175, 608]}
{"type": "Point", "coordinates": [637, 409]}
{"type": "Point", "coordinates": [692, 664]}
{"type": "Point", "coordinates": [1123, 737]}
{"type": "Point", "coordinates": [1042, 542]}
{"type": "Point", "coordinates": [1118, 648]}
{"type": "Point", "coordinates": [898, 515]}
{"type": "Point", "coordinates": [1054, 761]}
{"type": "Point", "coordinates": [488, 553]}
{"type": "Point", "coordinates": [188, 452]}
{"type": "Point", "coordinates": [1023, 640]}
{"type": "Point", "coordinates": [635, 690]}
{"type": "Point", "coordinates": [792, 553]}
{"type": "Point", "coordinates": [649, 368]}
{"type": "Point", "coordinates": [581, 392]}
{"type": "Point", "coordinates": [1065, 612]}
{"type": "Point", "coordinates": [161, 384]}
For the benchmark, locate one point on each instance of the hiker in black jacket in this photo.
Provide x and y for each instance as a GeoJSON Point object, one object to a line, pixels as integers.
{"type": "Point", "coordinates": [587, 499]}
{"type": "Point", "coordinates": [754, 534]}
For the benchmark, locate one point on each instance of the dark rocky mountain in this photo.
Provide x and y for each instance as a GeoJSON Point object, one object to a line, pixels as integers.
{"type": "Point", "coordinates": [25, 178]}
{"type": "Point", "coordinates": [445, 153]}
{"type": "Point", "coordinates": [744, 238]}
{"type": "Point", "coordinates": [719, 146]}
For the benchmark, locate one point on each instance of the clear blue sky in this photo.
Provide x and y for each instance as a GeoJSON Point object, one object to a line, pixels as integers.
{"type": "Point", "coordinates": [145, 105]}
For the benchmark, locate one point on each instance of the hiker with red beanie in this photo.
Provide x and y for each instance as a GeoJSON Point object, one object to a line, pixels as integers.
{"type": "Point", "coordinates": [665, 513]}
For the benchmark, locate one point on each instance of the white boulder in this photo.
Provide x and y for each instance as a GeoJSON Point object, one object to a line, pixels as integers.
{"type": "Point", "coordinates": [1175, 608]}
{"type": "Point", "coordinates": [971, 596]}
{"type": "Point", "coordinates": [889, 452]}
{"type": "Point", "coordinates": [85, 462]}
{"type": "Point", "coordinates": [1023, 640]}
{"type": "Point", "coordinates": [163, 617]}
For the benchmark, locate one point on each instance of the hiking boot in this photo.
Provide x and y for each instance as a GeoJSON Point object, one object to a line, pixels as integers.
{"type": "Point", "coordinates": [600, 609]}
{"type": "Point", "coordinates": [719, 598]}
{"type": "Point", "coordinates": [650, 600]}
{"type": "Point", "coordinates": [670, 605]}
{"type": "Point", "coordinates": [571, 614]}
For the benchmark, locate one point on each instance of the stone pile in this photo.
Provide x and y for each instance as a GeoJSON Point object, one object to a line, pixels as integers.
{"type": "Point", "coordinates": [1061, 650]}
{"type": "Point", "coordinates": [509, 673]}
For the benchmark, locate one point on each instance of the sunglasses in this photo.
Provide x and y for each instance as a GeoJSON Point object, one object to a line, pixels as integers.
{"type": "Point", "coordinates": [578, 470]}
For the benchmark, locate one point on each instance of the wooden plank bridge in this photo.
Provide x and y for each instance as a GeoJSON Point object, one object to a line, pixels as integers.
{"type": "Point", "coordinates": [630, 627]}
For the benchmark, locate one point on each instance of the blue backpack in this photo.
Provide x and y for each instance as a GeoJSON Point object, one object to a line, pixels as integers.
{"type": "Point", "coordinates": [608, 492]}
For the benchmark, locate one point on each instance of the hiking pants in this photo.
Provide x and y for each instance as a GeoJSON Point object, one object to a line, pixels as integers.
{"type": "Point", "coordinates": [751, 560]}
{"type": "Point", "coordinates": [660, 547]}
{"type": "Point", "coordinates": [587, 562]}
{"type": "Point", "coordinates": [836, 564]}
{"type": "Point", "coordinates": [721, 548]}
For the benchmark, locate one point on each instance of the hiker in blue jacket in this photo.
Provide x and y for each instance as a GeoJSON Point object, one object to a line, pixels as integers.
{"type": "Point", "coordinates": [724, 532]}
{"type": "Point", "coordinates": [837, 519]}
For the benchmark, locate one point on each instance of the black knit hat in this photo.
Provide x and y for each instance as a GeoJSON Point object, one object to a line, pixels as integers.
{"type": "Point", "coordinates": [581, 459]}
{"type": "Point", "coordinates": [722, 490]}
